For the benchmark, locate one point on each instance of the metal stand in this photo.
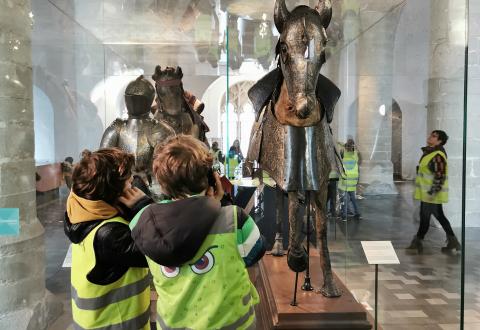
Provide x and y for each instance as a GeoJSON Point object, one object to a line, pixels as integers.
{"type": "Point", "coordinates": [376, 295]}
{"type": "Point", "coordinates": [307, 285]}
{"type": "Point", "coordinates": [294, 301]}
{"type": "Point", "coordinates": [335, 227]}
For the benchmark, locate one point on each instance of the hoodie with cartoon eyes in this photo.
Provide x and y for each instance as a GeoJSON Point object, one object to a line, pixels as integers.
{"type": "Point", "coordinates": [197, 252]}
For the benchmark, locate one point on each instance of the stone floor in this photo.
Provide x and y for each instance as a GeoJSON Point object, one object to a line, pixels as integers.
{"type": "Point", "coordinates": [422, 292]}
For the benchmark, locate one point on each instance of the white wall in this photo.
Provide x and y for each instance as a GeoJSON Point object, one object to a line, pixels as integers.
{"type": "Point", "coordinates": [44, 122]}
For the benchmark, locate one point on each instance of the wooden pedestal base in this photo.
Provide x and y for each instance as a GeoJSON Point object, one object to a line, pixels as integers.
{"type": "Point", "coordinates": [275, 284]}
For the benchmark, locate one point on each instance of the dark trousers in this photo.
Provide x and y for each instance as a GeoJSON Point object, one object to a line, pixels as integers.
{"type": "Point", "coordinates": [332, 197]}
{"type": "Point", "coordinates": [426, 211]}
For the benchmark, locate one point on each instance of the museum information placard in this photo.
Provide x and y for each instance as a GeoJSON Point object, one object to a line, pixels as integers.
{"type": "Point", "coordinates": [380, 252]}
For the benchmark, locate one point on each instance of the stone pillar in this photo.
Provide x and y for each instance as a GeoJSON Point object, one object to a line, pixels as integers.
{"type": "Point", "coordinates": [346, 114]}
{"type": "Point", "coordinates": [374, 126]}
{"type": "Point", "coordinates": [23, 299]}
{"type": "Point", "coordinates": [446, 90]}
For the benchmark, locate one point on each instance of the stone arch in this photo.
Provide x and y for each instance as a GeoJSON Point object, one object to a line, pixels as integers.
{"type": "Point", "coordinates": [238, 98]}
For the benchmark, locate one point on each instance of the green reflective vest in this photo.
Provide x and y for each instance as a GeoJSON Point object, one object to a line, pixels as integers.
{"type": "Point", "coordinates": [349, 180]}
{"type": "Point", "coordinates": [262, 40]}
{"type": "Point", "coordinates": [124, 304]}
{"type": "Point", "coordinates": [213, 291]}
{"type": "Point", "coordinates": [232, 163]}
{"type": "Point", "coordinates": [333, 174]}
{"type": "Point", "coordinates": [424, 181]}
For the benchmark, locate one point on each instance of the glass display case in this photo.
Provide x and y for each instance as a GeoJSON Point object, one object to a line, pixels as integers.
{"type": "Point", "coordinates": [404, 68]}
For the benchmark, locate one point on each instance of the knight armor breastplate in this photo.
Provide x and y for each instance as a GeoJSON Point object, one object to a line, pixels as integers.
{"type": "Point", "coordinates": [137, 136]}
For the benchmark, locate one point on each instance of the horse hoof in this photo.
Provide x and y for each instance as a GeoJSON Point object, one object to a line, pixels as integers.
{"type": "Point", "coordinates": [330, 291]}
{"type": "Point", "coordinates": [297, 261]}
{"type": "Point", "coordinates": [277, 250]}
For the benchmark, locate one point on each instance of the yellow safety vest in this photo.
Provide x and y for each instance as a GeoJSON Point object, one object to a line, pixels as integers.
{"type": "Point", "coordinates": [333, 174]}
{"type": "Point", "coordinates": [349, 180]}
{"type": "Point", "coordinates": [424, 181]}
{"type": "Point", "coordinates": [232, 163]}
{"type": "Point", "coordinates": [213, 290]}
{"type": "Point", "coordinates": [124, 304]}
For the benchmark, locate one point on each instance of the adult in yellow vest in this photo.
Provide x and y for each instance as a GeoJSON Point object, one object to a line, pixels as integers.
{"type": "Point", "coordinates": [235, 157]}
{"type": "Point", "coordinates": [431, 189]}
{"type": "Point", "coordinates": [110, 286]}
{"type": "Point", "coordinates": [232, 163]}
{"type": "Point", "coordinates": [349, 179]}
{"type": "Point", "coordinates": [197, 250]}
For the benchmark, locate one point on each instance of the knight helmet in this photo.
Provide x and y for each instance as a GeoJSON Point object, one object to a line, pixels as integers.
{"type": "Point", "coordinates": [139, 96]}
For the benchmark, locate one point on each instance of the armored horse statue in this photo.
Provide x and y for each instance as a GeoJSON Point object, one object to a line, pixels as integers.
{"type": "Point", "coordinates": [173, 107]}
{"type": "Point", "coordinates": [291, 139]}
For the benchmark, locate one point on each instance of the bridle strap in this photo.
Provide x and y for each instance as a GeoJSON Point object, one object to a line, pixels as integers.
{"type": "Point", "coordinates": [168, 83]}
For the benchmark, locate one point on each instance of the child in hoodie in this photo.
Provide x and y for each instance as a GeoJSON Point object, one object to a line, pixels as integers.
{"type": "Point", "coordinates": [197, 250]}
{"type": "Point", "coordinates": [110, 282]}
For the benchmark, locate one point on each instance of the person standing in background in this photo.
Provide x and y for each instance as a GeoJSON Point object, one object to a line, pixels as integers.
{"type": "Point", "coordinates": [431, 189]}
{"type": "Point", "coordinates": [349, 179]}
{"type": "Point", "coordinates": [67, 171]}
{"type": "Point", "coordinates": [217, 156]}
{"type": "Point", "coordinates": [235, 148]}
{"type": "Point", "coordinates": [235, 157]}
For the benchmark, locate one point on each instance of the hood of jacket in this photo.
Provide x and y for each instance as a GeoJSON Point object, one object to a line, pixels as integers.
{"type": "Point", "coordinates": [81, 210]}
{"type": "Point", "coordinates": [171, 233]}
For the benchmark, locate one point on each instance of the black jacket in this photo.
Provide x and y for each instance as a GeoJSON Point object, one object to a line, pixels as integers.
{"type": "Point", "coordinates": [115, 251]}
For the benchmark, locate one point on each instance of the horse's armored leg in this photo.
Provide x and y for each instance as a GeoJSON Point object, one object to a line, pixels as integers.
{"type": "Point", "coordinates": [329, 288]}
{"type": "Point", "coordinates": [297, 258]}
{"type": "Point", "coordinates": [277, 249]}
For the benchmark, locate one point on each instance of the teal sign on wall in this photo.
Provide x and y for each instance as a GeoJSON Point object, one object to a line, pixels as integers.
{"type": "Point", "coordinates": [9, 222]}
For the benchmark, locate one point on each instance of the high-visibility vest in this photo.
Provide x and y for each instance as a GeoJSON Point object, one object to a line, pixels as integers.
{"type": "Point", "coordinates": [123, 304]}
{"type": "Point", "coordinates": [232, 163]}
{"type": "Point", "coordinates": [333, 174]}
{"type": "Point", "coordinates": [213, 290]}
{"type": "Point", "coordinates": [349, 179]}
{"type": "Point", "coordinates": [424, 181]}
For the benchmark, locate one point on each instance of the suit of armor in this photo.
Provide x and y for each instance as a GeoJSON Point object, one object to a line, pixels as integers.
{"type": "Point", "coordinates": [139, 134]}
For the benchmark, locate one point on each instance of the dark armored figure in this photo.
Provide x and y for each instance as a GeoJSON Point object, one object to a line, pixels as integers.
{"type": "Point", "coordinates": [139, 134]}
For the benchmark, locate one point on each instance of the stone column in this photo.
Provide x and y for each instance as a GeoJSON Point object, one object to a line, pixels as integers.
{"type": "Point", "coordinates": [346, 114]}
{"type": "Point", "coordinates": [23, 299]}
{"type": "Point", "coordinates": [374, 126]}
{"type": "Point", "coordinates": [446, 90]}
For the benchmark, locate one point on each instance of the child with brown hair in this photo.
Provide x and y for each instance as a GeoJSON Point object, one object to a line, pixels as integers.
{"type": "Point", "coordinates": [197, 250]}
{"type": "Point", "coordinates": [109, 275]}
